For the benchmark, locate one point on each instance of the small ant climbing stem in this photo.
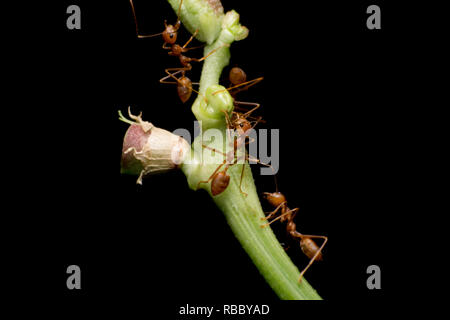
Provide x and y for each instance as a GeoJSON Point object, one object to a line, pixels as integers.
{"type": "Point", "coordinates": [170, 32]}
{"type": "Point", "coordinates": [184, 84]}
{"type": "Point", "coordinates": [170, 35]}
{"type": "Point", "coordinates": [307, 244]}
{"type": "Point", "coordinates": [176, 50]}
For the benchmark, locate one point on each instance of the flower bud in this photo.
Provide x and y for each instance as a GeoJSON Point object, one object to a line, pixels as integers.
{"type": "Point", "coordinates": [203, 16]}
{"type": "Point", "coordinates": [231, 23]}
{"type": "Point", "coordinates": [148, 150]}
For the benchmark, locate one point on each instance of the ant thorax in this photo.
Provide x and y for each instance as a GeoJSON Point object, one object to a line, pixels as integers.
{"type": "Point", "coordinates": [177, 49]}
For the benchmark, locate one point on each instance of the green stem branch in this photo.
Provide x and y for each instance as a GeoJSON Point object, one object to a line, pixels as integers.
{"type": "Point", "coordinates": [243, 213]}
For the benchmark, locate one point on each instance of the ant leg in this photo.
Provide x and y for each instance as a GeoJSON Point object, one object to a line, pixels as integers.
{"type": "Point", "coordinates": [192, 48]}
{"type": "Point", "coordinates": [237, 107]}
{"type": "Point", "coordinates": [315, 256]}
{"type": "Point", "coordinates": [249, 158]}
{"type": "Point", "coordinates": [250, 140]}
{"type": "Point", "coordinates": [236, 110]}
{"type": "Point", "coordinates": [184, 49]}
{"type": "Point", "coordinates": [170, 75]}
{"type": "Point", "coordinates": [190, 39]}
{"type": "Point", "coordinates": [229, 125]}
{"type": "Point", "coordinates": [240, 183]}
{"type": "Point", "coordinates": [257, 120]}
{"type": "Point", "coordinates": [273, 212]}
{"type": "Point", "coordinates": [279, 217]}
{"type": "Point", "coordinates": [210, 53]}
{"type": "Point", "coordinates": [215, 150]}
{"type": "Point", "coordinates": [267, 165]}
{"type": "Point", "coordinates": [227, 118]}
{"type": "Point", "coordinates": [245, 85]}
{"type": "Point", "coordinates": [136, 24]}
{"type": "Point", "coordinates": [166, 77]}
{"type": "Point", "coordinates": [248, 113]}
{"type": "Point", "coordinates": [168, 70]}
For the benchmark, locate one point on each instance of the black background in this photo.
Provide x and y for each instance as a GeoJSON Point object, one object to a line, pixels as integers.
{"type": "Point", "coordinates": [330, 85]}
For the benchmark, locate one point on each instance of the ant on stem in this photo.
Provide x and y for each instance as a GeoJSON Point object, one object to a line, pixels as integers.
{"type": "Point", "coordinates": [184, 84]}
{"type": "Point", "coordinates": [238, 78]}
{"type": "Point", "coordinates": [241, 125]}
{"type": "Point", "coordinates": [238, 83]}
{"type": "Point", "coordinates": [170, 35]}
{"type": "Point", "coordinates": [170, 32]}
{"type": "Point", "coordinates": [220, 179]}
{"type": "Point", "coordinates": [307, 244]}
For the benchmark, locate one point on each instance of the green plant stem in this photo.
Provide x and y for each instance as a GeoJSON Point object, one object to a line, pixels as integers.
{"type": "Point", "coordinates": [243, 213]}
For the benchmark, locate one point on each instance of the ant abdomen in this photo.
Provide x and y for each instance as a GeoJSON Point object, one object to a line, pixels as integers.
{"type": "Point", "coordinates": [237, 76]}
{"type": "Point", "coordinates": [310, 248]}
{"type": "Point", "coordinates": [219, 183]}
{"type": "Point", "coordinates": [184, 89]}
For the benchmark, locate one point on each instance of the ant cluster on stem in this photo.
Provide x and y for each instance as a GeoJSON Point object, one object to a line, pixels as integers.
{"type": "Point", "coordinates": [241, 122]}
{"type": "Point", "coordinates": [170, 35]}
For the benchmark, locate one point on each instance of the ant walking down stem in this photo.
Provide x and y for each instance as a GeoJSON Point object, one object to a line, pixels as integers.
{"type": "Point", "coordinates": [170, 35]}
{"type": "Point", "coordinates": [170, 32]}
{"type": "Point", "coordinates": [184, 84]}
{"type": "Point", "coordinates": [307, 244]}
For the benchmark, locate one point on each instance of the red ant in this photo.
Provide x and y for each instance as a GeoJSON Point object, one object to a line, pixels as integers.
{"type": "Point", "coordinates": [238, 80]}
{"type": "Point", "coordinates": [184, 84]}
{"type": "Point", "coordinates": [307, 244]}
{"type": "Point", "coordinates": [170, 32]}
{"type": "Point", "coordinates": [238, 122]}
{"type": "Point", "coordinates": [170, 35]}
{"type": "Point", "coordinates": [220, 179]}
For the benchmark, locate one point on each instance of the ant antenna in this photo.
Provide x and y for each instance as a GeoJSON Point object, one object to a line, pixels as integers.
{"type": "Point", "coordinates": [179, 11]}
{"type": "Point", "coordinates": [136, 24]}
{"type": "Point", "coordinates": [155, 34]}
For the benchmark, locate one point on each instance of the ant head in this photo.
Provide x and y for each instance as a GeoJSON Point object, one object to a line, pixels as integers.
{"type": "Point", "coordinates": [170, 34]}
{"type": "Point", "coordinates": [237, 76]}
{"type": "Point", "coordinates": [242, 125]}
{"type": "Point", "coordinates": [275, 198]}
